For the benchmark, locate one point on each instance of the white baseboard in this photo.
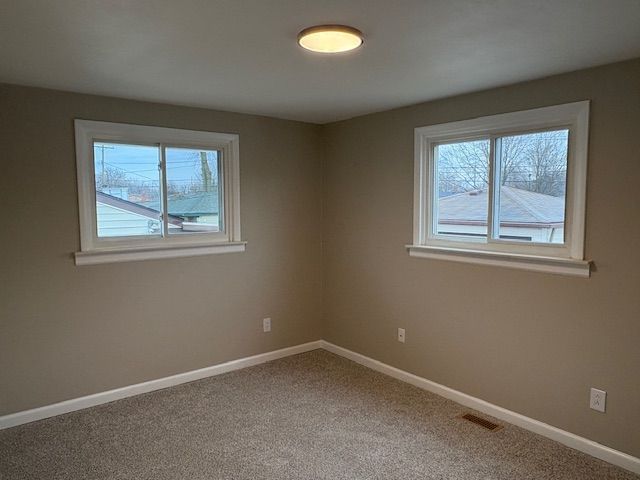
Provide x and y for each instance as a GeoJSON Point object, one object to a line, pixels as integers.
{"type": "Point", "coordinates": [582, 444]}
{"type": "Point", "coordinates": [67, 406]}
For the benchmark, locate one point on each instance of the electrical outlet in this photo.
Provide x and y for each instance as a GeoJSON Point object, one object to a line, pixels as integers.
{"type": "Point", "coordinates": [266, 324]}
{"type": "Point", "coordinates": [401, 335]}
{"type": "Point", "coordinates": [598, 399]}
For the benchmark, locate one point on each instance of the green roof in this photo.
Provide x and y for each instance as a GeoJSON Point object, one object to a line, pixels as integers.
{"type": "Point", "coordinates": [190, 205]}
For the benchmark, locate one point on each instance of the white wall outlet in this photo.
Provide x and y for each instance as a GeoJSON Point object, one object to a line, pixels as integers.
{"type": "Point", "coordinates": [598, 399]}
{"type": "Point", "coordinates": [266, 324]}
{"type": "Point", "coordinates": [401, 335]}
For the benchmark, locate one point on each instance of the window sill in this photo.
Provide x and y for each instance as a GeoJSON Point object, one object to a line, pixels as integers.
{"type": "Point", "coordinates": [135, 254]}
{"type": "Point", "coordinates": [562, 266]}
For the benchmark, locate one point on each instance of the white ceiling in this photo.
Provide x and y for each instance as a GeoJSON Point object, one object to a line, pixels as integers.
{"type": "Point", "coordinates": [241, 55]}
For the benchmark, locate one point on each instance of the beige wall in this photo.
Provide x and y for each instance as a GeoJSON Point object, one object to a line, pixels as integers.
{"type": "Point", "coordinates": [68, 331]}
{"type": "Point", "coordinates": [530, 342]}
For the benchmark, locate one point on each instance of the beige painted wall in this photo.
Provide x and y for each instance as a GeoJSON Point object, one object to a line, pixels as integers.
{"type": "Point", "coordinates": [530, 342]}
{"type": "Point", "coordinates": [68, 331]}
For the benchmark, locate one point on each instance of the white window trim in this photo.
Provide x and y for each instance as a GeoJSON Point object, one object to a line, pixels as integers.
{"type": "Point", "coordinates": [118, 249]}
{"type": "Point", "coordinates": [568, 258]}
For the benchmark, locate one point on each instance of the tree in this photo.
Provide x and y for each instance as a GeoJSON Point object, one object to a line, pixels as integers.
{"type": "Point", "coordinates": [534, 162]}
{"type": "Point", "coordinates": [544, 165]}
{"type": "Point", "coordinates": [112, 177]}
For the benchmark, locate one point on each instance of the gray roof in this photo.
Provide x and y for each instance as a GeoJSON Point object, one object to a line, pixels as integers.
{"type": "Point", "coordinates": [517, 207]}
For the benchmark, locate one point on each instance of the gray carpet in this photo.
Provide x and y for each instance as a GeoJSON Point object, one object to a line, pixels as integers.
{"type": "Point", "coordinates": [311, 416]}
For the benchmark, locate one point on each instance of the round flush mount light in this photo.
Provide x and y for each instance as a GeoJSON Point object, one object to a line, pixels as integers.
{"type": "Point", "coordinates": [330, 38]}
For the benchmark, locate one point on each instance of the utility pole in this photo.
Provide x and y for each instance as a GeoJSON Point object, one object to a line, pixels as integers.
{"type": "Point", "coordinates": [206, 172]}
{"type": "Point", "coordinates": [103, 148]}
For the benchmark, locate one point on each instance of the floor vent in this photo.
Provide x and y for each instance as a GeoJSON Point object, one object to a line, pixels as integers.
{"type": "Point", "coordinates": [482, 422]}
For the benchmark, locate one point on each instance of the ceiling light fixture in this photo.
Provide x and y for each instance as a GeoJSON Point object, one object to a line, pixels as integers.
{"type": "Point", "coordinates": [330, 38]}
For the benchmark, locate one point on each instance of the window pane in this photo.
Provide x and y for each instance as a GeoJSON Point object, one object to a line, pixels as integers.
{"type": "Point", "coordinates": [127, 190]}
{"type": "Point", "coordinates": [462, 176]}
{"type": "Point", "coordinates": [532, 184]}
{"type": "Point", "coordinates": [193, 190]}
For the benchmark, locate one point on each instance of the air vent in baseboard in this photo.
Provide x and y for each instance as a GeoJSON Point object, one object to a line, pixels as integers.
{"type": "Point", "coordinates": [482, 422]}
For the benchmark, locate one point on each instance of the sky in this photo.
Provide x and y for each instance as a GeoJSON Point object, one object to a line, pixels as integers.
{"type": "Point", "coordinates": [140, 163]}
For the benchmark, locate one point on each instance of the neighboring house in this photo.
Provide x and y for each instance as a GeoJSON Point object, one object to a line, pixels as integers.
{"type": "Point", "coordinates": [524, 215]}
{"type": "Point", "coordinates": [118, 216]}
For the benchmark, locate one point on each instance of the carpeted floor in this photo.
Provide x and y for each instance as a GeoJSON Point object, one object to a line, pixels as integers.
{"type": "Point", "coordinates": [310, 416]}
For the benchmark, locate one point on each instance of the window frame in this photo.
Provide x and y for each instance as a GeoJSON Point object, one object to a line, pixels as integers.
{"type": "Point", "coordinates": [547, 256]}
{"type": "Point", "coordinates": [95, 249]}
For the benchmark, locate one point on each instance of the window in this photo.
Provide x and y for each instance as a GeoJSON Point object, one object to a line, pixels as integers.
{"type": "Point", "coordinates": [152, 192]}
{"type": "Point", "coordinates": [505, 190]}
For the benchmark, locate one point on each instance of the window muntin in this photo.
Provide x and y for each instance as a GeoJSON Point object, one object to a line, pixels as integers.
{"type": "Point", "coordinates": [562, 129]}
{"type": "Point", "coordinates": [168, 189]}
